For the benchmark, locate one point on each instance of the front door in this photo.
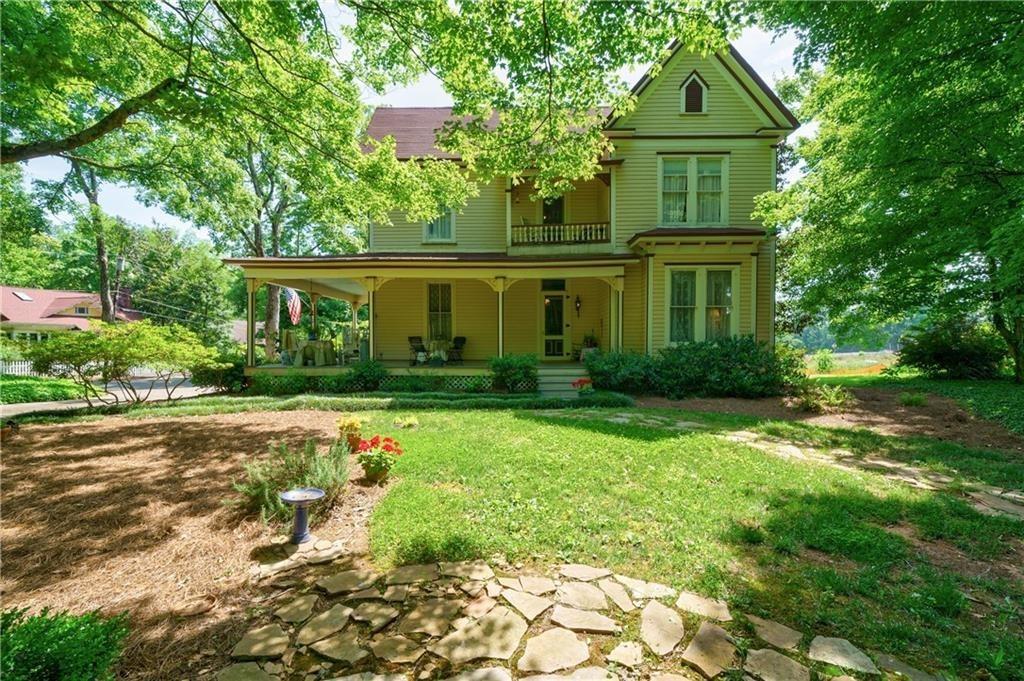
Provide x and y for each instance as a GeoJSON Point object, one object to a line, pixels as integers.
{"type": "Point", "coordinates": [554, 326]}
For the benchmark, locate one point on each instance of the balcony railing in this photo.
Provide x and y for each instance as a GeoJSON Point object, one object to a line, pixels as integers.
{"type": "Point", "coordinates": [574, 233]}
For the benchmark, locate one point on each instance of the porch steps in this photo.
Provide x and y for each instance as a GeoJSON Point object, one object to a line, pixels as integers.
{"type": "Point", "coordinates": [555, 380]}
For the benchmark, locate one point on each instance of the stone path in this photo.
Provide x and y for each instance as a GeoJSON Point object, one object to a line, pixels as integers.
{"type": "Point", "coordinates": [474, 622]}
{"type": "Point", "coordinates": [984, 498]}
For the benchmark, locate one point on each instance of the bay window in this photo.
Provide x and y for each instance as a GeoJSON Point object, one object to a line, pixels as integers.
{"type": "Point", "coordinates": [693, 190]}
{"type": "Point", "coordinates": [701, 303]}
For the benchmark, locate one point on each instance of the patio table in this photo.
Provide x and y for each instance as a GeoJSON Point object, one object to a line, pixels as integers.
{"type": "Point", "coordinates": [439, 346]}
{"type": "Point", "coordinates": [321, 352]}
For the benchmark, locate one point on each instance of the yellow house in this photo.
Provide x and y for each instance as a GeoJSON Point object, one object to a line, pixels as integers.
{"type": "Point", "coordinates": [659, 248]}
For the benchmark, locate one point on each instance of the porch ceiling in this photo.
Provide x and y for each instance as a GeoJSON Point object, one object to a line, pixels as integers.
{"type": "Point", "coordinates": [351, 277]}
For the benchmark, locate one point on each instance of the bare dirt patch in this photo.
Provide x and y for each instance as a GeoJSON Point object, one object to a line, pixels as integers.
{"type": "Point", "coordinates": [876, 409]}
{"type": "Point", "coordinates": [129, 515]}
{"type": "Point", "coordinates": [943, 554]}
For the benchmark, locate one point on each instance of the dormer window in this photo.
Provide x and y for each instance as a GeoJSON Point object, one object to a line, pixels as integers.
{"type": "Point", "coordinates": [693, 95]}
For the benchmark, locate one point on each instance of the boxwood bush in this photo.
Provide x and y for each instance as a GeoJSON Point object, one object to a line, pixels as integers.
{"type": "Point", "coordinates": [59, 646]}
{"type": "Point", "coordinates": [515, 373]}
{"type": "Point", "coordinates": [727, 367]}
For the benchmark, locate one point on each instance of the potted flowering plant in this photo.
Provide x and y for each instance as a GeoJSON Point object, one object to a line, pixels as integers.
{"type": "Point", "coordinates": [377, 455]}
{"type": "Point", "coordinates": [583, 385]}
{"type": "Point", "coordinates": [350, 429]}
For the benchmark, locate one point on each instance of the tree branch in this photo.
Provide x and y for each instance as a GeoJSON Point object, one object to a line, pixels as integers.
{"type": "Point", "coordinates": [13, 153]}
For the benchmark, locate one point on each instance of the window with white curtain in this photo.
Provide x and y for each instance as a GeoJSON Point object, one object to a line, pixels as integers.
{"type": "Point", "coordinates": [441, 228]}
{"type": "Point", "coordinates": [439, 311]}
{"type": "Point", "coordinates": [693, 190]}
{"type": "Point", "coordinates": [718, 310]}
{"type": "Point", "coordinates": [674, 190]}
{"type": "Point", "coordinates": [701, 303]}
{"type": "Point", "coordinates": [709, 190]}
{"type": "Point", "coordinates": [682, 306]}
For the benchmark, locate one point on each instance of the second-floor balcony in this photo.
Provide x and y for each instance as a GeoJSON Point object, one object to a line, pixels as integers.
{"type": "Point", "coordinates": [561, 233]}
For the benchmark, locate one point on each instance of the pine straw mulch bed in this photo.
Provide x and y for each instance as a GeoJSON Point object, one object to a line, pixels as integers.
{"type": "Point", "coordinates": [130, 515]}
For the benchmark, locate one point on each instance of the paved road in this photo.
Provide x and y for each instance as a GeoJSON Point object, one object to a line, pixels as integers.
{"type": "Point", "coordinates": [141, 384]}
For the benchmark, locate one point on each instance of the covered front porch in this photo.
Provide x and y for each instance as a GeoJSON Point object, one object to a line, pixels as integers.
{"type": "Point", "coordinates": [451, 313]}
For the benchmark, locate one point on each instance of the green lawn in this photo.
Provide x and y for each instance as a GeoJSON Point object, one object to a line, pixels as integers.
{"type": "Point", "coordinates": [800, 542]}
{"type": "Point", "coordinates": [17, 389]}
{"type": "Point", "coordinates": [999, 400]}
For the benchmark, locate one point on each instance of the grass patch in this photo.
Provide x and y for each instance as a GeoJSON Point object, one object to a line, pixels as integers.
{"type": "Point", "coordinates": [999, 400]}
{"type": "Point", "coordinates": [19, 389]}
{"type": "Point", "coordinates": [800, 542]}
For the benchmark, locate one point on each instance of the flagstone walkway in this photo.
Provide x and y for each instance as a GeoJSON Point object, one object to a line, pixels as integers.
{"type": "Point", "coordinates": [474, 621]}
{"type": "Point", "coordinates": [984, 498]}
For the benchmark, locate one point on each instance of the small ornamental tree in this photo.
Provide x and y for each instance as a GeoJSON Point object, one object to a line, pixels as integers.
{"type": "Point", "coordinates": [107, 354]}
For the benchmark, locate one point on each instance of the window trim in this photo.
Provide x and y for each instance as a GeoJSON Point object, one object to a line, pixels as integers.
{"type": "Point", "coordinates": [691, 189]}
{"type": "Point", "coordinates": [426, 307]}
{"type": "Point", "coordinates": [701, 297]}
{"type": "Point", "coordinates": [426, 229]}
{"type": "Point", "coordinates": [694, 76]}
{"type": "Point", "coordinates": [81, 310]}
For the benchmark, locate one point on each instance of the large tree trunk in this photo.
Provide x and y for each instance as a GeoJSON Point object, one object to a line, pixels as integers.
{"type": "Point", "coordinates": [1012, 331]}
{"type": "Point", "coordinates": [107, 310]}
{"type": "Point", "coordinates": [272, 320]}
{"type": "Point", "coordinates": [89, 184]}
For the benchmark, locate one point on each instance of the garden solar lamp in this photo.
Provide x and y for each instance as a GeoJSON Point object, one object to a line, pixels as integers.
{"type": "Point", "coordinates": [301, 498]}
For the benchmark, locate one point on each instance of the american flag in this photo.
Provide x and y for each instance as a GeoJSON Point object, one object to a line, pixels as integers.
{"type": "Point", "coordinates": [294, 305]}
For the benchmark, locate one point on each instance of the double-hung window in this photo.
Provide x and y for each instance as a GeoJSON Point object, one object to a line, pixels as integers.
{"type": "Point", "coordinates": [674, 190]}
{"type": "Point", "coordinates": [439, 311]}
{"type": "Point", "coordinates": [701, 303]}
{"type": "Point", "coordinates": [694, 190]}
{"type": "Point", "coordinates": [441, 229]}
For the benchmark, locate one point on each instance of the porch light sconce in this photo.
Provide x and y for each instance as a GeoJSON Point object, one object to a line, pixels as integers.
{"type": "Point", "coordinates": [578, 305]}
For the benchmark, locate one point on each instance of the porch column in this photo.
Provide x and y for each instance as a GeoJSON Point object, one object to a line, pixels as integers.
{"type": "Point", "coordinates": [250, 322]}
{"type": "Point", "coordinates": [313, 298]}
{"type": "Point", "coordinates": [618, 318]}
{"type": "Point", "coordinates": [501, 322]}
{"type": "Point", "coordinates": [648, 322]}
{"type": "Point", "coordinates": [372, 299]}
{"type": "Point", "coordinates": [355, 321]}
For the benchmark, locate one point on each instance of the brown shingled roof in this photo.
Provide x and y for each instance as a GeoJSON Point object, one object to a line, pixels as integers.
{"type": "Point", "coordinates": [414, 128]}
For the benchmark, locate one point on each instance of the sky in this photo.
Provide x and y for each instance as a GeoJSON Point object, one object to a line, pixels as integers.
{"type": "Point", "coordinates": [772, 58]}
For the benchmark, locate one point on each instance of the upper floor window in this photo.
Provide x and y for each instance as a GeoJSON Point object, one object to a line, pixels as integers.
{"type": "Point", "coordinates": [554, 211]}
{"type": "Point", "coordinates": [441, 228]}
{"type": "Point", "coordinates": [693, 95]}
{"type": "Point", "coordinates": [81, 310]}
{"type": "Point", "coordinates": [694, 190]}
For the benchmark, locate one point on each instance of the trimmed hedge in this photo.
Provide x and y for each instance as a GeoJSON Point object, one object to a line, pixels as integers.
{"type": "Point", "coordinates": [728, 367]}
{"type": "Point", "coordinates": [226, 404]}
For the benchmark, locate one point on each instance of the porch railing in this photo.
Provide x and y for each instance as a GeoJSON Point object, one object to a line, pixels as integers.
{"type": "Point", "coordinates": [572, 233]}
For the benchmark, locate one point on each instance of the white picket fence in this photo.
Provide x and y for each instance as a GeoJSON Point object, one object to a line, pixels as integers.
{"type": "Point", "coordinates": [17, 367]}
{"type": "Point", "coordinates": [23, 367]}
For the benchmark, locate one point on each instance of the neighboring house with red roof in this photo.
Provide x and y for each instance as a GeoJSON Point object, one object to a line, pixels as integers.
{"type": "Point", "coordinates": [659, 248]}
{"type": "Point", "coordinates": [34, 313]}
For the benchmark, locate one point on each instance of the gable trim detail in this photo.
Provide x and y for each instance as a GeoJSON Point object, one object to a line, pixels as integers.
{"type": "Point", "coordinates": [694, 74]}
{"type": "Point", "coordinates": [674, 49]}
